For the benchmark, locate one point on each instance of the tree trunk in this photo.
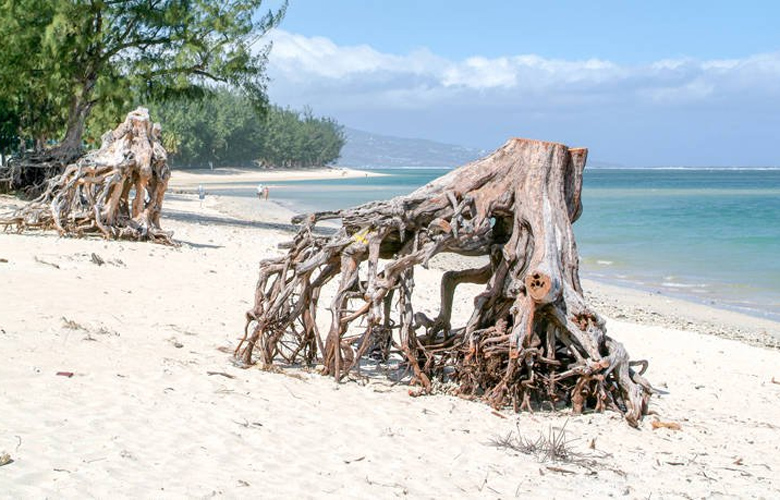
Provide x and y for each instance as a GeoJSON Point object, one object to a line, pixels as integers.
{"type": "Point", "coordinates": [71, 147]}
{"type": "Point", "coordinates": [93, 195]}
{"type": "Point", "coordinates": [530, 339]}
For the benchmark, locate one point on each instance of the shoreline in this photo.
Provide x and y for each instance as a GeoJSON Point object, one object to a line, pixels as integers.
{"type": "Point", "coordinates": [649, 307]}
{"type": "Point", "coordinates": [685, 292]}
{"type": "Point", "coordinates": [231, 177]}
{"type": "Point", "coordinates": [701, 287]}
{"type": "Point", "coordinates": [614, 300]}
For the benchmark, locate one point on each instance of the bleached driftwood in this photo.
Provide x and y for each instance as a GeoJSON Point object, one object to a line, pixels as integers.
{"type": "Point", "coordinates": [531, 337]}
{"type": "Point", "coordinates": [116, 191]}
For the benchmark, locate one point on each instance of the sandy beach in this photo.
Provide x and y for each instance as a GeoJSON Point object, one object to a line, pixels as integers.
{"type": "Point", "coordinates": [118, 384]}
{"type": "Point", "coordinates": [229, 177]}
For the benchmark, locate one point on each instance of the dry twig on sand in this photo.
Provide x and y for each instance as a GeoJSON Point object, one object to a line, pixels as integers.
{"type": "Point", "coordinates": [554, 447]}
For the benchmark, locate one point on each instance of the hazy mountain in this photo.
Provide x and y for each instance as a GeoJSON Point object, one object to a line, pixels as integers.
{"type": "Point", "coordinates": [364, 149]}
{"type": "Point", "coordinates": [367, 150]}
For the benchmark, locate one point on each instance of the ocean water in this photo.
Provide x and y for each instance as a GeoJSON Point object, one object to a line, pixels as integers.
{"type": "Point", "coordinates": [711, 235]}
{"type": "Point", "coordinates": [708, 234]}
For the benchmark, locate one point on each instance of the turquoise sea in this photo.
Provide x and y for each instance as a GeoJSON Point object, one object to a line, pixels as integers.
{"type": "Point", "coordinates": [712, 235]}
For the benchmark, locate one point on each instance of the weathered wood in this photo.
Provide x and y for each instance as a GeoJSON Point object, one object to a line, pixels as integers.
{"type": "Point", "coordinates": [531, 337]}
{"type": "Point", "coordinates": [116, 191]}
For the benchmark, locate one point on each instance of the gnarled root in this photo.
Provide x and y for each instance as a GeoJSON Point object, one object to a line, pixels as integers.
{"type": "Point", "coordinates": [530, 339]}
{"type": "Point", "coordinates": [116, 191]}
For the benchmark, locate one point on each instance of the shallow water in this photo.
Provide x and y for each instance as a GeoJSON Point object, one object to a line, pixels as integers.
{"type": "Point", "coordinates": [708, 234]}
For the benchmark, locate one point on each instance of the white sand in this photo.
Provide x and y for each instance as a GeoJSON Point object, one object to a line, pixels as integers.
{"type": "Point", "coordinates": [228, 177]}
{"type": "Point", "coordinates": [142, 418]}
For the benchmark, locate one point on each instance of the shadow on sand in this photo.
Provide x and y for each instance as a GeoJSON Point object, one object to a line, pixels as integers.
{"type": "Point", "coordinates": [231, 221]}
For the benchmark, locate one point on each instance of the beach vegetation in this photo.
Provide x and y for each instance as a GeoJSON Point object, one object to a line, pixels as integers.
{"type": "Point", "coordinates": [65, 59]}
{"type": "Point", "coordinates": [70, 68]}
{"type": "Point", "coordinates": [222, 129]}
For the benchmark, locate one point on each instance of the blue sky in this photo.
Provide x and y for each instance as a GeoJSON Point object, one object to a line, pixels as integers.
{"type": "Point", "coordinates": [639, 83]}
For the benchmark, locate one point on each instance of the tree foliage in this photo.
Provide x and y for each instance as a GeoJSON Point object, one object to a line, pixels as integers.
{"type": "Point", "coordinates": [61, 59]}
{"type": "Point", "coordinates": [32, 85]}
{"type": "Point", "coordinates": [222, 129]}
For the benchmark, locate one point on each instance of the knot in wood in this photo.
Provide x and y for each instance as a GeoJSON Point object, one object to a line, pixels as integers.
{"type": "Point", "coordinates": [538, 286]}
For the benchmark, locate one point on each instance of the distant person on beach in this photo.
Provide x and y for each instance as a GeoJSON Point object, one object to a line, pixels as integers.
{"type": "Point", "coordinates": [201, 194]}
{"type": "Point", "coordinates": [260, 191]}
{"type": "Point", "coordinates": [265, 193]}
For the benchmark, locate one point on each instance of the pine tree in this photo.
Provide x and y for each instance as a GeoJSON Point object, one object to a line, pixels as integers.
{"type": "Point", "coordinates": [63, 58]}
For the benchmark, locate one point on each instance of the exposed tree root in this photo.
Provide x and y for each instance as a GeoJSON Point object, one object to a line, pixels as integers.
{"type": "Point", "coordinates": [29, 175]}
{"type": "Point", "coordinates": [116, 191]}
{"type": "Point", "coordinates": [530, 339]}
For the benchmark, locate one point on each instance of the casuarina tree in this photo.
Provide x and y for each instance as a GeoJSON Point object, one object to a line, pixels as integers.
{"type": "Point", "coordinates": [63, 58]}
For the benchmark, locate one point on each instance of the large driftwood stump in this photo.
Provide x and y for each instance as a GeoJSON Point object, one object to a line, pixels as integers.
{"type": "Point", "coordinates": [531, 337]}
{"type": "Point", "coordinates": [116, 191]}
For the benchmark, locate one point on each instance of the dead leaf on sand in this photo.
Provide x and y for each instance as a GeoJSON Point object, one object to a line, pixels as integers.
{"type": "Point", "coordinates": [657, 424]}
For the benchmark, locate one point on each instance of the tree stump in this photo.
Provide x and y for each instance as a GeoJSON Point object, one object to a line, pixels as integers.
{"type": "Point", "coordinates": [116, 191]}
{"type": "Point", "coordinates": [531, 338]}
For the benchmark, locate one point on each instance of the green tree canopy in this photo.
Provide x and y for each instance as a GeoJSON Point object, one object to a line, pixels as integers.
{"type": "Point", "coordinates": [62, 58]}
{"type": "Point", "coordinates": [223, 130]}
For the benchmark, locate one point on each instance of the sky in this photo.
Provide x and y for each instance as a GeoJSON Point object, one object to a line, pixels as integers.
{"type": "Point", "coordinates": [639, 83]}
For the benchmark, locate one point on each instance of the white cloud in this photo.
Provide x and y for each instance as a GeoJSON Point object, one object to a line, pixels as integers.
{"type": "Point", "coordinates": [481, 73]}
{"type": "Point", "coordinates": [361, 74]}
{"type": "Point", "coordinates": [424, 93]}
{"type": "Point", "coordinates": [318, 56]}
